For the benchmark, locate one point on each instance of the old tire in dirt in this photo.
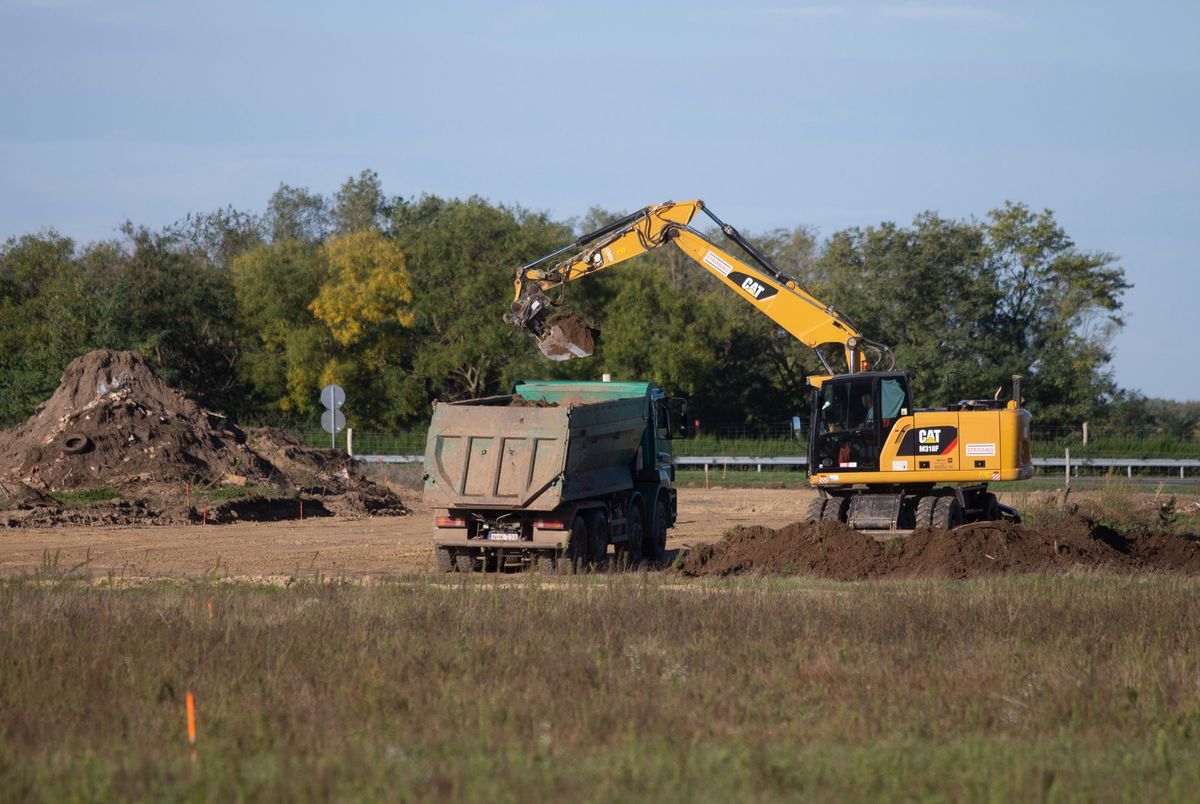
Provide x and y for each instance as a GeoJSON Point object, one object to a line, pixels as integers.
{"type": "Point", "coordinates": [948, 513]}
{"type": "Point", "coordinates": [445, 559]}
{"type": "Point", "coordinates": [835, 509]}
{"type": "Point", "coordinates": [76, 444]}
{"type": "Point", "coordinates": [464, 561]}
{"type": "Point", "coordinates": [654, 541]}
{"type": "Point", "coordinates": [925, 506]}
{"type": "Point", "coordinates": [816, 509]}
{"type": "Point", "coordinates": [629, 552]}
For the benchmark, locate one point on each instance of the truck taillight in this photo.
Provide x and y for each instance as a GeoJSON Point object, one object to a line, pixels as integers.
{"type": "Point", "coordinates": [449, 522]}
{"type": "Point", "coordinates": [549, 524]}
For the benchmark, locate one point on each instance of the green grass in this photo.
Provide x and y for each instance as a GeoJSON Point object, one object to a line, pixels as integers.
{"type": "Point", "coordinates": [85, 496]}
{"type": "Point", "coordinates": [1058, 689]}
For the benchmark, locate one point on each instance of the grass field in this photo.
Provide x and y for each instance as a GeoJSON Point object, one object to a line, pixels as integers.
{"type": "Point", "coordinates": [1069, 688]}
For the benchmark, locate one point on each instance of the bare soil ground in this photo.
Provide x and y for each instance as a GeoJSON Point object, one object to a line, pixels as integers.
{"type": "Point", "coordinates": [332, 546]}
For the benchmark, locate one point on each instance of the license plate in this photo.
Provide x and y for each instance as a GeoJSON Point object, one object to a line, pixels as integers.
{"type": "Point", "coordinates": [503, 536]}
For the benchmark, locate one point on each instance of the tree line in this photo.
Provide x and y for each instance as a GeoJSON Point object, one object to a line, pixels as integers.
{"type": "Point", "coordinates": [399, 300]}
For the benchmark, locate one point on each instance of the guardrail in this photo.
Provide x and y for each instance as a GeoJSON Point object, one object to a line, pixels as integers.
{"type": "Point", "coordinates": [1129, 464]}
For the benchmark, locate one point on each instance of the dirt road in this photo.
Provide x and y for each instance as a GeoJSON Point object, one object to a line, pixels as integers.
{"type": "Point", "coordinates": [377, 547]}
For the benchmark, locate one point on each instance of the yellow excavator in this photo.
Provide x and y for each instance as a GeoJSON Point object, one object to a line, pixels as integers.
{"type": "Point", "coordinates": [877, 461]}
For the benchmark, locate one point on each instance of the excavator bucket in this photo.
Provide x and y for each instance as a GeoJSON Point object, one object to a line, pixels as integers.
{"type": "Point", "coordinates": [566, 338]}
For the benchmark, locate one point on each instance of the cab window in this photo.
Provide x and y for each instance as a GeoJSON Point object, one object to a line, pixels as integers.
{"type": "Point", "coordinates": [846, 406]}
{"type": "Point", "coordinates": [662, 419]}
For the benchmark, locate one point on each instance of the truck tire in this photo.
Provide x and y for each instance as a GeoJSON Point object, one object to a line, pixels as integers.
{"type": "Point", "coordinates": [599, 534]}
{"type": "Point", "coordinates": [654, 543]}
{"type": "Point", "coordinates": [545, 562]}
{"type": "Point", "coordinates": [445, 559]}
{"type": "Point", "coordinates": [629, 552]}
{"type": "Point", "coordinates": [948, 513]}
{"type": "Point", "coordinates": [816, 509]}
{"type": "Point", "coordinates": [578, 553]}
{"type": "Point", "coordinates": [925, 508]}
{"type": "Point", "coordinates": [464, 562]}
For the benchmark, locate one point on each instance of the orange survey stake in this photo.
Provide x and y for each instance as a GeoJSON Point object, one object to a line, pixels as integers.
{"type": "Point", "coordinates": [191, 719]}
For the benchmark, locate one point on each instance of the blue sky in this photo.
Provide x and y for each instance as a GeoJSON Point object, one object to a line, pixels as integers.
{"type": "Point", "coordinates": [829, 115]}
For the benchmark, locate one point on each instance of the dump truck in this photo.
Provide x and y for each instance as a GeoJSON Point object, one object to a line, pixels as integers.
{"type": "Point", "coordinates": [551, 475]}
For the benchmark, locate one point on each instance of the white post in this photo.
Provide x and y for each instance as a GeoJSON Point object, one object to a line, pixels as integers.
{"type": "Point", "coordinates": [1067, 465]}
{"type": "Point", "coordinates": [1129, 471]}
{"type": "Point", "coordinates": [350, 441]}
{"type": "Point", "coordinates": [1085, 434]}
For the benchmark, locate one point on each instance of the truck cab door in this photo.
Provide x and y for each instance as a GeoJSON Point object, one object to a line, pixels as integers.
{"type": "Point", "coordinates": [664, 457]}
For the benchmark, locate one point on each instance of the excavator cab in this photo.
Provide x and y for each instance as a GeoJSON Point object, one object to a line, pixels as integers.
{"type": "Point", "coordinates": [852, 415]}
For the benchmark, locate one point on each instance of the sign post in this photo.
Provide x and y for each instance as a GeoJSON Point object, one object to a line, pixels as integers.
{"type": "Point", "coordinates": [333, 421]}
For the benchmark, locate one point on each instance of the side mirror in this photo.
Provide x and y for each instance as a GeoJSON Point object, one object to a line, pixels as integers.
{"type": "Point", "coordinates": [679, 412]}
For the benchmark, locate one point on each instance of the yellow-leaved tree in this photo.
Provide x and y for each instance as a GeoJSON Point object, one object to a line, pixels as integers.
{"type": "Point", "coordinates": [367, 292]}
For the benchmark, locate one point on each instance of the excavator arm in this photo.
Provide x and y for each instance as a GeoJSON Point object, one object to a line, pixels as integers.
{"type": "Point", "coordinates": [773, 293]}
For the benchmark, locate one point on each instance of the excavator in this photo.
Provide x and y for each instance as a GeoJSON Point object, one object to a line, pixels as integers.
{"type": "Point", "coordinates": [878, 462]}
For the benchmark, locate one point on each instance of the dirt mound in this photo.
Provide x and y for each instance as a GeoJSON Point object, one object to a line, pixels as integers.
{"type": "Point", "coordinates": [114, 424]}
{"type": "Point", "coordinates": [112, 421]}
{"type": "Point", "coordinates": [833, 550]}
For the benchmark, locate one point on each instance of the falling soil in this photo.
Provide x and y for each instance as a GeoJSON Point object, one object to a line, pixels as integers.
{"type": "Point", "coordinates": [113, 424]}
{"type": "Point", "coordinates": [833, 550]}
{"type": "Point", "coordinates": [569, 336]}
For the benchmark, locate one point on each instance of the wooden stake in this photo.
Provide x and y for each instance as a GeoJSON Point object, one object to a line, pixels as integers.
{"type": "Point", "coordinates": [204, 514]}
{"type": "Point", "coordinates": [706, 477]}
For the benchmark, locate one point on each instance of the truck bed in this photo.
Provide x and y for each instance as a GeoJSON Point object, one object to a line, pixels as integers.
{"type": "Point", "coordinates": [510, 454]}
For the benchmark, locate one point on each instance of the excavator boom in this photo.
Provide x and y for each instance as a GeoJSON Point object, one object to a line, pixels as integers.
{"type": "Point", "coordinates": [758, 282]}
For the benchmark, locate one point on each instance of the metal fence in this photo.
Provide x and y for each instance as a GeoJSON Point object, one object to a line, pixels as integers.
{"type": "Point", "coordinates": [799, 462]}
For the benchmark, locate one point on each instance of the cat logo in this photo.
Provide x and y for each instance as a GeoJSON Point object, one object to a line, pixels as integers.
{"type": "Point", "coordinates": [758, 290]}
{"type": "Point", "coordinates": [929, 441]}
{"type": "Point", "coordinates": [752, 287]}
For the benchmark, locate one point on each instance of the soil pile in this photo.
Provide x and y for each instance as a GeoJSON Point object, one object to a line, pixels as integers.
{"type": "Point", "coordinates": [833, 550]}
{"type": "Point", "coordinates": [112, 421]}
{"type": "Point", "coordinates": [114, 424]}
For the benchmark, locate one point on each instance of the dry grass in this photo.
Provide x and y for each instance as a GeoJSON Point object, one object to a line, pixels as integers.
{"type": "Point", "coordinates": [1078, 688]}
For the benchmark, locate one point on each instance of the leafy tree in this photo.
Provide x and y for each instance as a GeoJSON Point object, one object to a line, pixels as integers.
{"type": "Point", "coordinates": [285, 346]}
{"type": "Point", "coordinates": [294, 213]}
{"type": "Point", "coordinates": [462, 256]}
{"type": "Point", "coordinates": [1056, 311]}
{"type": "Point", "coordinates": [360, 204]}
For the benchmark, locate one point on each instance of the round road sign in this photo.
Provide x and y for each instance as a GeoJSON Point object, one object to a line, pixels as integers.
{"type": "Point", "coordinates": [333, 397]}
{"type": "Point", "coordinates": [333, 421]}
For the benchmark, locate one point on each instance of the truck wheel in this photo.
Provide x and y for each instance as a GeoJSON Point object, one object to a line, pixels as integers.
{"type": "Point", "coordinates": [925, 508]}
{"type": "Point", "coordinates": [445, 559]}
{"type": "Point", "coordinates": [816, 509]}
{"type": "Point", "coordinates": [835, 509]}
{"type": "Point", "coordinates": [464, 562]}
{"type": "Point", "coordinates": [947, 513]}
{"type": "Point", "coordinates": [578, 550]}
{"type": "Point", "coordinates": [544, 562]}
{"type": "Point", "coordinates": [598, 537]}
{"type": "Point", "coordinates": [629, 552]}
{"type": "Point", "coordinates": [654, 543]}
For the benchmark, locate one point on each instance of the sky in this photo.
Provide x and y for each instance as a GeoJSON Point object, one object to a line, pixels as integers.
{"type": "Point", "coordinates": [776, 114]}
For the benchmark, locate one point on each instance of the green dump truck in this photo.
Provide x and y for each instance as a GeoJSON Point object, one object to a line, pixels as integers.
{"type": "Point", "coordinates": [551, 475]}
